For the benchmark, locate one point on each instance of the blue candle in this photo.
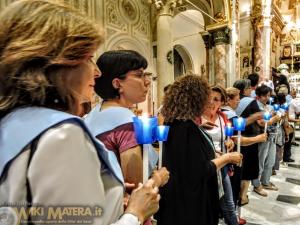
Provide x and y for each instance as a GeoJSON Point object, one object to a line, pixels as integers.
{"type": "Point", "coordinates": [162, 133]}
{"type": "Point", "coordinates": [145, 128]}
{"type": "Point", "coordinates": [229, 130]}
{"type": "Point", "coordinates": [276, 107]}
{"type": "Point", "coordinates": [271, 100]}
{"type": "Point", "coordinates": [267, 116]}
{"type": "Point", "coordinates": [239, 124]}
{"type": "Point", "coordinates": [285, 106]}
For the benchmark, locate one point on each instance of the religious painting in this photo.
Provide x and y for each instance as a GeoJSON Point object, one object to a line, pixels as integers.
{"type": "Point", "coordinates": [245, 61]}
{"type": "Point", "coordinates": [287, 52]}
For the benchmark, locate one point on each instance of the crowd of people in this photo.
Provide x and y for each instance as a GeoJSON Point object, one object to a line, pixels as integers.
{"type": "Point", "coordinates": [56, 150]}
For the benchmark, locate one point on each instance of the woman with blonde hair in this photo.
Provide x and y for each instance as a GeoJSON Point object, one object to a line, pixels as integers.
{"type": "Point", "coordinates": [48, 156]}
{"type": "Point", "coordinates": [232, 102]}
{"type": "Point", "coordinates": [194, 187]}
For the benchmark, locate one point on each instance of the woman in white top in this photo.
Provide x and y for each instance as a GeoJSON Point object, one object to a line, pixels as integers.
{"type": "Point", "coordinates": [214, 115]}
{"type": "Point", "coordinates": [47, 155]}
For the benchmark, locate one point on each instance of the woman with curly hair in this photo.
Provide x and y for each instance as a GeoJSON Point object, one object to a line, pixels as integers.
{"type": "Point", "coordinates": [195, 186]}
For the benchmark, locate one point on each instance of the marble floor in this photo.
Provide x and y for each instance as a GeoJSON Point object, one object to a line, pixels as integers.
{"type": "Point", "coordinates": [269, 210]}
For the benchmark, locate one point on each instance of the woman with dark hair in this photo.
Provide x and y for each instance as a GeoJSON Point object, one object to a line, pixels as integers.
{"type": "Point", "coordinates": [122, 84]}
{"type": "Point", "coordinates": [282, 80]}
{"type": "Point", "coordinates": [48, 156]}
{"type": "Point", "coordinates": [248, 108]}
{"type": "Point", "coordinates": [195, 187]}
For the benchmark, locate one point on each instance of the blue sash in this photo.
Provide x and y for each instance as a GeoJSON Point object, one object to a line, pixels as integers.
{"type": "Point", "coordinates": [108, 119]}
{"type": "Point", "coordinates": [245, 101]}
{"type": "Point", "coordinates": [20, 127]}
{"type": "Point", "coordinates": [100, 122]}
{"type": "Point", "coordinates": [229, 112]}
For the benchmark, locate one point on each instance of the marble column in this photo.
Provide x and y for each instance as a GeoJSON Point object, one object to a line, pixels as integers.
{"type": "Point", "coordinates": [207, 38]}
{"type": "Point", "coordinates": [235, 44]}
{"type": "Point", "coordinates": [164, 64]}
{"type": "Point", "coordinates": [258, 51]}
{"type": "Point", "coordinates": [261, 20]}
{"type": "Point", "coordinates": [221, 39]}
{"type": "Point", "coordinates": [267, 39]}
{"type": "Point", "coordinates": [220, 65]}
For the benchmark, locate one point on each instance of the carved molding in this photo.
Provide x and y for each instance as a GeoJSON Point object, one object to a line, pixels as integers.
{"type": "Point", "coordinates": [130, 11]}
{"type": "Point", "coordinates": [277, 22]}
{"type": "Point", "coordinates": [113, 16]}
{"type": "Point", "coordinates": [165, 7]}
{"type": "Point", "coordinates": [256, 15]}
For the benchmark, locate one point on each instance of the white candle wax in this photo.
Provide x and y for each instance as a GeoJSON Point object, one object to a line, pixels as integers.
{"type": "Point", "coordinates": [145, 163]}
{"type": "Point", "coordinates": [160, 154]}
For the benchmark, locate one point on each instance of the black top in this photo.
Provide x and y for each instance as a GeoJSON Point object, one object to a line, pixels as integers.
{"type": "Point", "coordinates": [252, 129]}
{"type": "Point", "coordinates": [191, 195]}
{"type": "Point", "coordinates": [250, 167]}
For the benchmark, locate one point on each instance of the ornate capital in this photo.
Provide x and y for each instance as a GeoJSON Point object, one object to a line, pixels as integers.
{"type": "Point", "coordinates": [256, 15]}
{"type": "Point", "coordinates": [165, 7]}
{"type": "Point", "coordinates": [207, 38]}
{"type": "Point", "coordinates": [221, 36]}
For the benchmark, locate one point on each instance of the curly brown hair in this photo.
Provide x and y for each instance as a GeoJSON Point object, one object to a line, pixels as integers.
{"type": "Point", "coordinates": [186, 98]}
{"type": "Point", "coordinates": [39, 41]}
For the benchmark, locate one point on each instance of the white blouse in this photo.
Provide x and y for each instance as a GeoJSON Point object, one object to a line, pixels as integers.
{"type": "Point", "coordinates": [215, 133]}
{"type": "Point", "coordinates": [65, 170]}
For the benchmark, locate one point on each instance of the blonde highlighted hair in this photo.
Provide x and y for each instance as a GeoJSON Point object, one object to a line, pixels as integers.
{"type": "Point", "coordinates": [38, 40]}
{"type": "Point", "coordinates": [232, 92]}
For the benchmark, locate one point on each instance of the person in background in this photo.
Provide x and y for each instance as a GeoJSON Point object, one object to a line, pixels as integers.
{"type": "Point", "coordinates": [282, 132]}
{"type": "Point", "coordinates": [192, 194]}
{"type": "Point", "coordinates": [249, 109]}
{"type": "Point", "coordinates": [254, 78]}
{"type": "Point", "coordinates": [283, 87]}
{"type": "Point", "coordinates": [158, 112]}
{"type": "Point", "coordinates": [266, 150]}
{"type": "Point", "coordinates": [48, 156]}
{"type": "Point", "coordinates": [213, 114]}
{"type": "Point", "coordinates": [233, 100]}
{"type": "Point", "coordinates": [293, 113]}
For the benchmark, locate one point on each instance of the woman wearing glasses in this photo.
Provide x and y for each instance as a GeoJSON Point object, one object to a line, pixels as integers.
{"type": "Point", "coordinates": [122, 84]}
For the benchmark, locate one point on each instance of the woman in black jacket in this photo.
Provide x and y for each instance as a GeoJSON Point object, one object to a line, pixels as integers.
{"type": "Point", "coordinates": [193, 192]}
